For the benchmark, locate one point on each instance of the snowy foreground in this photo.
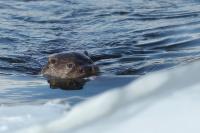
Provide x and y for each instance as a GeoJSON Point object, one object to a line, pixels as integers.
{"type": "Point", "coordinates": [161, 102]}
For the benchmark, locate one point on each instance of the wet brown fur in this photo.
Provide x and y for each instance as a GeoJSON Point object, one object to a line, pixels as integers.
{"type": "Point", "coordinates": [69, 65]}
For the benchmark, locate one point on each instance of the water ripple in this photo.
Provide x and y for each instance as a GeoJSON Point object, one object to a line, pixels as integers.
{"type": "Point", "coordinates": [123, 37]}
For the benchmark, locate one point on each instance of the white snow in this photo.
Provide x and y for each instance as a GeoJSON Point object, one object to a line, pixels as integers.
{"type": "Point", "coordinates": [14, 118]}
{"type": "Point", "coordinates": [160, 102]}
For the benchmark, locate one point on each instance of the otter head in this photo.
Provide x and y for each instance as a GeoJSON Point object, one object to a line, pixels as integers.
{"type": "Point", "coordinates": [69, 65]}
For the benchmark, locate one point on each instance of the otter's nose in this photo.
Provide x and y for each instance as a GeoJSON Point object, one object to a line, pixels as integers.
{"type": "Point", "coordinates": [85, 69]}
{"type": "Point", "coordinates": [89, 70]}
{"type": "Point", "coordinates": [95, 69]}
{"type": "Point", "coordinates": [92, 69]}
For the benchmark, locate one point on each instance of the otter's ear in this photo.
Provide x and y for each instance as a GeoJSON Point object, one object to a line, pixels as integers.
{"type": "Point", "coordinates": [86, 53]}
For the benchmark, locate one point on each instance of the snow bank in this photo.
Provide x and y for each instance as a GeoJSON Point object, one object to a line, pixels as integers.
{"type": "Point", "coordinates": [14, 118]}
{"type": "Point", "coordinates": [166, 101]}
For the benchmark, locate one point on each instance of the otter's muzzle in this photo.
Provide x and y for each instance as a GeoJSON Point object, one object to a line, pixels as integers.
{"type": "Point", "coordinates": [90, 70]}
{"type": "Point", "coordinates": [44, 69]}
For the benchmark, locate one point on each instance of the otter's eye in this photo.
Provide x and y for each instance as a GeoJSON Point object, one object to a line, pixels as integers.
{"type": "Point", "coordinates": [70, 65]}
{"type": "Point", "coordinates": [53, 61]}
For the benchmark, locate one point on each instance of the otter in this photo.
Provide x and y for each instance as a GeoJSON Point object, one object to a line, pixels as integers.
{"type": "Point", "coordinates": [70, 65]}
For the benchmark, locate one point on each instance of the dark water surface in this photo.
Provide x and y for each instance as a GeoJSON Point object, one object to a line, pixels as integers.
{"type": "Point", "coordinates": [133, 37]}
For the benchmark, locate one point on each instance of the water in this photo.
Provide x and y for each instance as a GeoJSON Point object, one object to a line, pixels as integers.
{"type": "Point", "coordinates": [130, 38]}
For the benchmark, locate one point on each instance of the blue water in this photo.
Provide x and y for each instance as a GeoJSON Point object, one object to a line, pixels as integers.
{"type": "Point", "coordinates": [131, 37]}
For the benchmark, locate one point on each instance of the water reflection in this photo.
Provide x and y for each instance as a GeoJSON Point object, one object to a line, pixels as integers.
{"type": "Point", "coordinates": [21, 89]}
{"type": "Point", "coordinates": [67, 84]}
